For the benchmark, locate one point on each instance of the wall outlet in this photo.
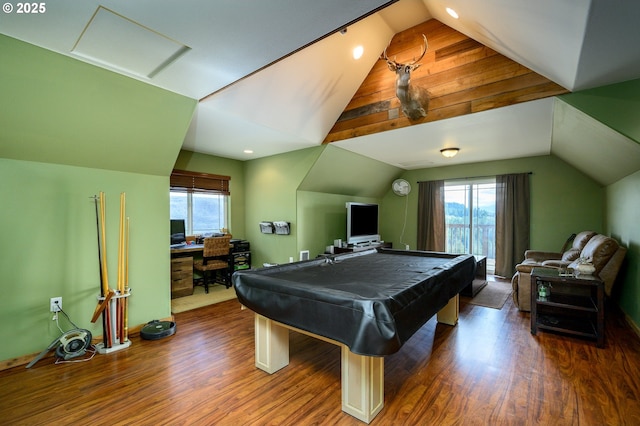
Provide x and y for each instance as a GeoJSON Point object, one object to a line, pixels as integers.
{"type": "Point", "coordinates": [55, 304]}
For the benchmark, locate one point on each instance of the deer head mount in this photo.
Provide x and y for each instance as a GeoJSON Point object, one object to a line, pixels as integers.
{"type": "Point", "coordinates": [414, 99]}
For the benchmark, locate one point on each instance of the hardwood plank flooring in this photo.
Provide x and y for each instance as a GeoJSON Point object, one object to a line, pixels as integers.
{"type": "Point", "coordinates": [488, 369]}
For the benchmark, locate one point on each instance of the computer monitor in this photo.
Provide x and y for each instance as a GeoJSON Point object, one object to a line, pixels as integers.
{"type": "Point", "coordinates": [178, 233]}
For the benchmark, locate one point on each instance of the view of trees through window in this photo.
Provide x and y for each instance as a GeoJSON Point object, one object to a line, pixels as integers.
{"type": "Point", "coordinates": [203, 212]}
{"type": "Point", "coordinates": [470, 218]}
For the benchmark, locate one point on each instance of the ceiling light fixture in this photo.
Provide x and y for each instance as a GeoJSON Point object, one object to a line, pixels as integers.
{"type": "Point", "coordinates": [248, 151]}
{"type": "Point", "coordinates": [452, 13]}
{"type": "Point", "coordinates": [449, 152]}
{"type": "Point", "coordinates": [357, 52]}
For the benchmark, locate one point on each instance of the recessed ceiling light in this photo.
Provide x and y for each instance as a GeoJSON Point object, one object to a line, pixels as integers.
{"type": "Point", "coordinates": [357, 52]}
{"type": "Point", "coordinates": [452, 13]}
{"type": "Point", "coordinates": [248, 151]}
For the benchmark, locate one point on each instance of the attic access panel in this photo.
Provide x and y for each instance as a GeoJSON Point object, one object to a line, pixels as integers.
{"type": "Point", "coordinates": [119, 42]}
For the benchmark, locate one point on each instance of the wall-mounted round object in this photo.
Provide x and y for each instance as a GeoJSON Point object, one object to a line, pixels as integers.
{"type": "Point", "coordinates": [401, 187]}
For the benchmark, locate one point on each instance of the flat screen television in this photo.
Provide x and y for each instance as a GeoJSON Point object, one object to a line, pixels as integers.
{"type": "Point", "coordinates": [178, 231]}
{"type": "Point", "coordinates": [362, 223]}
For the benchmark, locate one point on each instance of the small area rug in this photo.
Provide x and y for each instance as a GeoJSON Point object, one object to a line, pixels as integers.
{"type": "Point", "coordinates": [493, 295]}
{"type": "Point", "coordinates": [217, 293]}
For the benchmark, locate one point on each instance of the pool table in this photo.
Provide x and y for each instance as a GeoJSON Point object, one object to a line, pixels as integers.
{"type": "Point", "coordinates": [369, 303]}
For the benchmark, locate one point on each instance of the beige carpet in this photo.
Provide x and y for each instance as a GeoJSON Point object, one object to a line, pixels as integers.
{"type": "Point", "coordinates": [217, 293]}
{"type": "Point", "coordinates": [493, 295]}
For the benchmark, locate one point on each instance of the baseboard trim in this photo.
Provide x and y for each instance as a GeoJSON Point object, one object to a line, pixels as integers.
{"type": "Point", "coordinates": [632, 324]}
{"type": "Point", "coordinates": [26, 359]}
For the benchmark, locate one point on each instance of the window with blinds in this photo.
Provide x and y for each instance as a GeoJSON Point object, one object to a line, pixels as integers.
{"type": "Point", "coordinates": [195, 182]}
{"type": "Point", "coordinates": [201, 199]}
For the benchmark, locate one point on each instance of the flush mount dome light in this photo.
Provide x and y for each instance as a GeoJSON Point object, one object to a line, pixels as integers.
{"type": "Point", "coordinates": [452, 13]}
{"type": "Point", "coordinates": [449, 152]}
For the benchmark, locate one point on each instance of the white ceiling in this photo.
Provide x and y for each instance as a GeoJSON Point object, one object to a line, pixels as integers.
{"type": "Point", "coordinates": [228, 53]}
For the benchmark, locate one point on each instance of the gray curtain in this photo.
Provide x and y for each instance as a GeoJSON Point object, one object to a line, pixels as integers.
{"type": "Point", "coordinates": [512, 221]}
{"type": "Point", "coordinates": [431, 223]}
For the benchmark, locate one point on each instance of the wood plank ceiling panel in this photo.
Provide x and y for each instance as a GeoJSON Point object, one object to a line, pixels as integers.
{"type": "Point", "coordinates": [461, 75]}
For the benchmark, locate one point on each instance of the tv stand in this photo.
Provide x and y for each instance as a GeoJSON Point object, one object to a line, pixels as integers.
{"type": "Point", "coordinates": [356, 248]}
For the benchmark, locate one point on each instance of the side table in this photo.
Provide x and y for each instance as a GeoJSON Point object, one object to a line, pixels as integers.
{"type": "Point", "coordinates": [574, 305]}
{"type": "Point", "coordinates": [480, 280]}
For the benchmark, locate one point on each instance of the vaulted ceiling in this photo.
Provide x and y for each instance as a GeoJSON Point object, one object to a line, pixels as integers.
{"type": "Point", "coordinates": [275, 76]}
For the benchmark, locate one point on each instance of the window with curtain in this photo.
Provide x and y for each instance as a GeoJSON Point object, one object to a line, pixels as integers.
{"type": "Point", "coordinates": [512, 211]}
{"type": "Point", "coordinates": [201, 199]}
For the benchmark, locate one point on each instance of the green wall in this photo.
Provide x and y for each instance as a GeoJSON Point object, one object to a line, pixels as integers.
{"type": "Point", "coordinates": [203, 163]}
{"type": "Point", "coordinates": [336, 177]}
{"type": "Point", "coordinates": [48, 227]}
{"type": "Point", "coordinates": [308, 188]}
{"type": "Point", "coordinates": [340, 171]}
{"type": "Point", "coordinates": [322, 218]}
{"type": "Point", "coordinates": [56, 109]}
{"type": "Point", "coordinates": [623, 205]}
{"type": "Point", "coordinates": [271, 185]}
{"type": "Point", "coordinates": [563, 200]}
{"type": "Point", "coordinates": [69, 130]}
{"type": "Point", "coordinates": [616, 106]}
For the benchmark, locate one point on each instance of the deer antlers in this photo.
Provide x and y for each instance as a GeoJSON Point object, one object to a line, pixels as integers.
{"type": "Point", "coordinates": [414, 99]}
{"type": "Point", "coordinates": [393, 65]}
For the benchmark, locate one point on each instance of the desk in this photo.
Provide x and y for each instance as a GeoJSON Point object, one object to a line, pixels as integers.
{"type": "Point", "coordinates": [368, 303]}
{"type": "Point", "coordinates": [187, 249]}
{"type": "Point", "coordinates": [182, 266]}
{"type": "Point", "coordinates": [182, 269]}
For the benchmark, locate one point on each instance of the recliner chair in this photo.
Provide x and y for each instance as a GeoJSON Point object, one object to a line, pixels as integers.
{"type": "Point", "coordinates": [603, 252]}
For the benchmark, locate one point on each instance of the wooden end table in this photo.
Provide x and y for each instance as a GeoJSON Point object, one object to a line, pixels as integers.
{"type": "Point", "coordinates": [574, 305]}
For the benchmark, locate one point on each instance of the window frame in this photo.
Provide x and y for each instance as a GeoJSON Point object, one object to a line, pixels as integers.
{"type": "Point", "coordinates": [182, 181]}
{"type": "Point", "coordinates": [223, 221]}
{"type": "Point", "coordinates": [471, 185]}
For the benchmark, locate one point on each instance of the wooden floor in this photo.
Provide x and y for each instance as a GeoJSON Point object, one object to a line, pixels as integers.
{"type": "Point", "coordinates": [487, 370]}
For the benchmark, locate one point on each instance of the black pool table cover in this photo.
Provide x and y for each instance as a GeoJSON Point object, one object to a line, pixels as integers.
{"type": "Point", "coordinates": [372, 301]}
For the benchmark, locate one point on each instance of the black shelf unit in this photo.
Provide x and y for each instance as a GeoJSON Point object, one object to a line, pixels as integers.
{"type": "Point", "coordinates": [575, 305]}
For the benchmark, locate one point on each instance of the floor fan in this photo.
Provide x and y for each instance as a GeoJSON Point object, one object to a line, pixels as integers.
{"type": "Point", "coordinates": [402, 188]}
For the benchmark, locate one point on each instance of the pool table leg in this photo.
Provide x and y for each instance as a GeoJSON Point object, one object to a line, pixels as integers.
{"type": "Point", "coordinates": [362, 376]}
{"type": "Point", "coordinates": [271, 344]}
{"type": "Point", "coordinates": [362, 385]}
{"type": "Point", "coordinates": [449, 314]}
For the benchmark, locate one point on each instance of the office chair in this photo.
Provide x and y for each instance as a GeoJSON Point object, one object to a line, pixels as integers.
{"type": "Point", "coordinates": [216, 258]}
